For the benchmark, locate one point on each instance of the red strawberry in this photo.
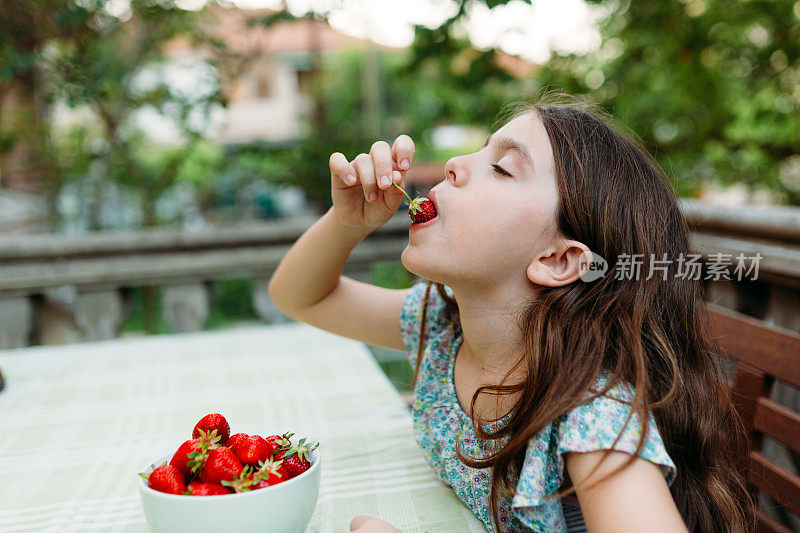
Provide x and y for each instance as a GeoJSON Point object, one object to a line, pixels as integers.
{"type": "Point", "coordinates": [197, 488]}
{"type": "Point", "coordinates": [421, 210]}
{"type": "Point", "coordinates": [278, 442]}
{"type": "Point", "coordinates": [234, 438]}
{"type": "Point", "coordinates": [221, 464]}
{"type": "Point", "coordinates": [191, 455]}
{"type": "Point", "coordinates": [251, 450]}
{"type": "Point", "coordinates": [243, 481]}
{"type": "Point", "coordinates": [295, 459]}
{"type": "Point", "coordinates": [269, 473]}
{"type": "Point", "coordinates": [166, 478]}
{"type": "Point", "coordinates": [181, 457]}
{"type": "Point", "coordinates": [212, 422]}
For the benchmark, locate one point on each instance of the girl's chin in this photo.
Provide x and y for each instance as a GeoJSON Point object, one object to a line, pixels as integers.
{"type": "Point", "coordinates": [418, 264]}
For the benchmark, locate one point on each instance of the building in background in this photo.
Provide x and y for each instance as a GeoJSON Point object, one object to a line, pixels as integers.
{"type": "Point", "coordinates": [269, 97]}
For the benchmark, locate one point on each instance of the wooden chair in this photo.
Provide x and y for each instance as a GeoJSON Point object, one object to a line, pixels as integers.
{"type": "Point", "coordinates": [764, 353]}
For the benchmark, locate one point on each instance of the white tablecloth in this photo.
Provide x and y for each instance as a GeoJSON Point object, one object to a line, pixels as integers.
{"type": "Point", "coordinates": [77, 422]}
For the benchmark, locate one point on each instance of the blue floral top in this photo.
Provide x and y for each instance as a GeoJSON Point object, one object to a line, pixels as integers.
{"type": "Point", "coordinates": [439, 419]}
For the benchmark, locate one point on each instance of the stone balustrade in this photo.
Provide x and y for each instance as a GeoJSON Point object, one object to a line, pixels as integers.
{"type": "Point", "coordinates": [56, 289]}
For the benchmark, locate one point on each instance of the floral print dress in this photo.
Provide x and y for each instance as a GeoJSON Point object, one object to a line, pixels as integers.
{"type": "Point", "coordinates": [439, 420]}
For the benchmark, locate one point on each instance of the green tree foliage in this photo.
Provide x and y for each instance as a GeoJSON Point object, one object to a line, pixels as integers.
{"type": "Point", "coordinates": [27, 31]}
{"type": "Point", "coordinates": [463, 85]}
{"type": "Point", "coordinates": [712, 87]}
{"type": "Point", "coordinates": [79, 53]}
{"type": "Point", "coordinates": [103, 71]}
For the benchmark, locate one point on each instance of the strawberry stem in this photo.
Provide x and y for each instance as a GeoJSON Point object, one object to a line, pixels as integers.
{"type": "Point", "coordinates": [401, 190]}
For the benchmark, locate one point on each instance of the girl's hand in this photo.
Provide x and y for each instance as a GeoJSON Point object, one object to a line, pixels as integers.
{"type": "Point", "coordinates": [367, 524]}
{"type": "Point", "coordinates": [352, 205]}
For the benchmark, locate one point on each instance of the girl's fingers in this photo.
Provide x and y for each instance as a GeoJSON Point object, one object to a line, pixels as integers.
{"type": "Point", "coordinates": [341, 170]}
{"type": "Point", "coordinates": [366, 173]}
{"type": "Point", "coordinates": [403, 152]}
{"type": "Point", "coordinates": [382, 161]}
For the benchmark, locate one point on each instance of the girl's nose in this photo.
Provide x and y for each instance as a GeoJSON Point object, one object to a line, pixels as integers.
{"type": "Point", "coordinates": [453, 171]}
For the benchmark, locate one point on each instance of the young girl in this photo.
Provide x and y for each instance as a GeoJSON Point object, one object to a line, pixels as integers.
{"type": "Point", "coordinates": [532, 377]}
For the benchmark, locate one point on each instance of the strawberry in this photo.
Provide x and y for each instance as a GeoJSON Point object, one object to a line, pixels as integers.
{"type": "Point", "coordinates": [269, 473]}
{"type": "Point", "coordinates": [234, 438]}
{"type": "Point", "coordinates": [180, 459]}
{"type": "Point", "coordinates": [278, 442]}
{"type": "Point", "coordinates": [251, 449]}
{"type": "Point", "coordinates": [221, 464]}
{"type": "Point", "coordinates": [193, 453]}
{"type": "Point", "coordinates": [212, 422]}
{"type": "Point", "coordinates": [197, 488]}
{"type": "Point", "coordinates": [419, 209]}
{"type": "Point", "coordinates": [242, 482]}
{"type": "Point", "coordinates": [295, 459]}
{"type": "Point", "coordinates": [166, 478]}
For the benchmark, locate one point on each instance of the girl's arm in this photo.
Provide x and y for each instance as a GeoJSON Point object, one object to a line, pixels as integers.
{"type": "Point", "coordinates": [635, 499]}
{"type": "Point", "coordinates": [308, 284]}
{"type": "Point", "coordinates": [312, 266]}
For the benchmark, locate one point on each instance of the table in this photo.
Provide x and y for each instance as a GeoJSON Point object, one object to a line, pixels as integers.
{"type": "Point", "coordinates": [77, 422]}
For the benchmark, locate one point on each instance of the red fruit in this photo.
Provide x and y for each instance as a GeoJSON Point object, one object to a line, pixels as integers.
{"type": "Point", "coordinates": [221, 465]}
{"type": "Point", "coordinates": [270, 473]}
{"type": "Point", "coordinates": [198, 488]}
{"type": "Point", "coordinates": [211, 422]}
{"type": "Point", "coordinates": [181, 457]}
{"type": "Point", "coordinates": [251, 450]}
{"type": "Point", "coordinates": [295, 459]}
{"type": "Point", "coordinates": [421, 210]}
{"type": "Point", "coordinates": [233, 439]}
{"type": "Point", "coordinates": [243, 481]}
{"type": "Point", "coordinates": [278, 442]}
{"type": "Point", "coordinates": [191, 455]}
{"type": "Point", "coordinates": [166, 478]}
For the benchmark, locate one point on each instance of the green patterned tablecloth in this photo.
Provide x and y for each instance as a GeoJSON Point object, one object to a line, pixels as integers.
{"type": "Point", "coordinates": [78, 421]}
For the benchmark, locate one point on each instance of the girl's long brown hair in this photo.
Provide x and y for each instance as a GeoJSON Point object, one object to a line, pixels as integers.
{"type": "Point", "coordinates": [653, 333]}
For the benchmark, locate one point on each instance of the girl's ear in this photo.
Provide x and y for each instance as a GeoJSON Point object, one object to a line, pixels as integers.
{"type": "Point", "coordinates": [558, 266]}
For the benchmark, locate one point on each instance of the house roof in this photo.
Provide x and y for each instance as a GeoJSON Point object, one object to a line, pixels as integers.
{"type": "Point", "coordinates": [230, 25]}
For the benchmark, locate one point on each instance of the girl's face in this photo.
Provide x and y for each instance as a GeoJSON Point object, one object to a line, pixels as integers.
{"type": "Point", "coordinates": [491, 225]}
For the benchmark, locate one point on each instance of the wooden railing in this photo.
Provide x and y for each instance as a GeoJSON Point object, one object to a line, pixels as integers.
{"type": "Point", "coordinates": [764, 356]}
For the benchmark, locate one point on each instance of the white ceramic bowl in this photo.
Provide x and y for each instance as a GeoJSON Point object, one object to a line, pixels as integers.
{"type": "Point", "coordinates": [283, 508]}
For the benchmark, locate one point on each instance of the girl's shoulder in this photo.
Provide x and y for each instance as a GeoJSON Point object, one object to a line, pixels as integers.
{"type": "Point", "coordinates": [596, 424]}
{"type": "Point", "coordinates": [438, 317]}
{"type": "Point", "coordinates": [591, 426]}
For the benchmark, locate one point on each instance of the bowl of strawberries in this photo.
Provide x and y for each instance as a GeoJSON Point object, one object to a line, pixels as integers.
{"type": "Point", "coordinates": [250, 482]}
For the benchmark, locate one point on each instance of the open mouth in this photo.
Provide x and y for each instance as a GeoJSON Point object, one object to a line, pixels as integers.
{"type": "Point", "coordinates": [419, 225]}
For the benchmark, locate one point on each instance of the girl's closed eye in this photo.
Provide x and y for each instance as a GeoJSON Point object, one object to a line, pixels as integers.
{"type": "Point", "coordinates": [500, 169]}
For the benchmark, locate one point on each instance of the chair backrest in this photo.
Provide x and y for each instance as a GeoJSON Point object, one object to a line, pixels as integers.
{"type": "Point", "coordinates": [764, 353]}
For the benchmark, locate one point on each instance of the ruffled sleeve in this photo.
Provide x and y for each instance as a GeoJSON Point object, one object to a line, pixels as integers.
{"type": "Point", "coordinates": [436, 319]}
{"type": "Point", "coordinates": [589, 427]}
